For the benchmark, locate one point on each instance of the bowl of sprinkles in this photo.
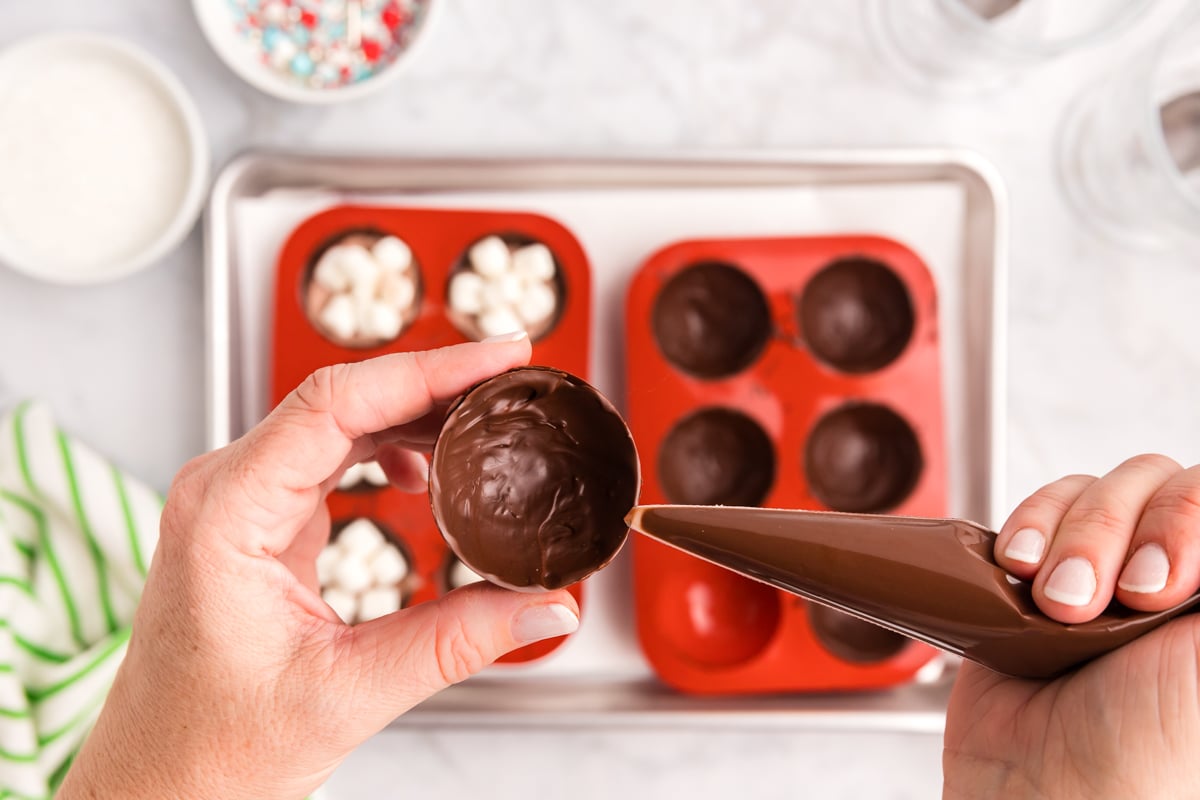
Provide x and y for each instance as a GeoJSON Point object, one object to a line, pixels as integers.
{"type": "Point", "coordinates": [315, 51]}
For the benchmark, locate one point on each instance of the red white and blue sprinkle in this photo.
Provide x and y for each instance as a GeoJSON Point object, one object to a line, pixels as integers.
{"type": "Point", "coordinates": [328, 43]}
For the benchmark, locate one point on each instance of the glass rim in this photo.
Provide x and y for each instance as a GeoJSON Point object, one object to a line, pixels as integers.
{"type": "Point", "coordinates": [1121, 17]}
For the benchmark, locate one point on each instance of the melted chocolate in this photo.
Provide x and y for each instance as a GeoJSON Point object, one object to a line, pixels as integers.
{"type": "Point", "coordinates": [856, 315]}
{"type": "Point", "coordinates": [711, 320]}
{"type": "Point", "coordinates": [931, 579]}
{"type": "Point", "coordinates": [716, 457]}
{"type": "Point", "coordinates": [862, 458]}
{"type": "Point", "coordinates": [531, 477]}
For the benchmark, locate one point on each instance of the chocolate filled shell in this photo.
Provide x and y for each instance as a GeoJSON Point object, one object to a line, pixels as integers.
{"type": "Point", "coordinates": [531, 478]}
{"type": "Point", "coordinates": [716, 456]}
{"type": "Point", "coordinates": [863, 458]}
{"type": "Point", "coordinates": [856, 315]}
{"type": "Point", "coordinates": [711, 320]}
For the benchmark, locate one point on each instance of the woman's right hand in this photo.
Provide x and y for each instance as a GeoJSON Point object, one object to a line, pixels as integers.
{"type": "Point", "coordinates": [1128, 724]}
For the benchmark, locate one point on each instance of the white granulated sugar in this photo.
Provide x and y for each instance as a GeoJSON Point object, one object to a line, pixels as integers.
{"type": "Point", "coordinates": [94, 163]}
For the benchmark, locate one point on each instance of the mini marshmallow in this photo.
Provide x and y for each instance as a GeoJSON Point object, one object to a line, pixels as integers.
{"type": "Point", "coordinates": [381, 321]}
{"type": "Point", "coordinates": [492, 296]}
{"type": "Point", "coordinates": [388, 567]}
{"type": "Point", "coordinates": [466, 292]}
{"type": "Point", "coordinates": [361, 270]}
{"type": "Point", "coordinates": [490, 256]}
{"type": "Point", "coordinates": [343, 604]}
{"type": "Point", "coordinates": [393, 254]}
{"type": "Point", "coordinates": [361, 538]}
{"type": "Point", "coordinates": [461, 575]}
{"type": "Point", "coordinates": [534, 262]}
{"type": "Point", "coordinates": [537, 304]}
{"type": "Point", "coordinates": [327, 561]}
{"type": "Point", "coordinates": [498, 320]}
{"type": "Point", "coordinates": [373, 474]}
{"type": "Point", "coordinates": [338, 316]}
{"type": "Point", "coordinates": [329, 271]}
{"type": "Point", "coordinates": [397, 290]}
{"type": "Point", "coordinates": [511, 287]}
{"type": "Point", "coordinates": [378, 602]}
{"type": "Point", "coordinates": [351, 573]}
{"type": "Point", "coordinates": [351, 477]}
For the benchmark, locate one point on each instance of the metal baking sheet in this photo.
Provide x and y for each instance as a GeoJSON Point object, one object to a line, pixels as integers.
{"type": "Point", "coordinates": [605, 681]}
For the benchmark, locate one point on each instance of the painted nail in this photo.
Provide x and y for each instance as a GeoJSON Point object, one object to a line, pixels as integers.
{"type": "Point", "coordinates": [543, 622]}
{"type": "Point", "coordinates": [499, 338]}
{"type": "Point", "coordinates": [1073, 582]}
{"type": "Point", "coordinates": [1027, 546]}
{"type": "Point", "coordinates": [1147, 571]}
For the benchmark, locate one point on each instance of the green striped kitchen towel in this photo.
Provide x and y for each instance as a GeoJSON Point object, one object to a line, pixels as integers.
{"type": "Point", "coordinates": [76, 535]}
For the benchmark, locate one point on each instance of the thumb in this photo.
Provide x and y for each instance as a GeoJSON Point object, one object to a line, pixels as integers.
{"type": "Point", "coordinates": [409, 656]}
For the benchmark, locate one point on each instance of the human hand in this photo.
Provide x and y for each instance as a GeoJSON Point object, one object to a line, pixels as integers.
{"type": "Point", "coordinates": [1128, 724]}
{"type": "Point", "coordinates": [239, 680]}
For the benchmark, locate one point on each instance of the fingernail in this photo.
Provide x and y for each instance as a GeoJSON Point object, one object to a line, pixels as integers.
{"type": "Point", "coordinates": [543, 622]}
{"type": "Point", "coordinates": [515, 336]}
{"type": "Point", "coordinates": [1147, 571]}
{"type": "Point", "coordinates": [1027, 546]}
{"type": "Point", "coordinates": [1073, 582]}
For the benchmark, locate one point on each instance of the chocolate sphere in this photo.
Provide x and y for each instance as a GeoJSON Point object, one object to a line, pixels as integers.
{"type": "Point", "coordinates": [711, 320]}
{"type": "Point", "coordinates": [716, 456]}
{"type": "Point", "coordinates": [856, 315]}
{"type": "Point", "coordinates": [850, 638]}
{"type": "Point", "coordinates": [862, 458]}
{"type": "Point", "coordinates": [531, 478]}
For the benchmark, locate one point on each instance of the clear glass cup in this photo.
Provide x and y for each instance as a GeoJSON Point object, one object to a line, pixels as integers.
{"type": "Point", "coordinates": [973, 46]}
{"type": "Point", "coordinates": [1129, 147]}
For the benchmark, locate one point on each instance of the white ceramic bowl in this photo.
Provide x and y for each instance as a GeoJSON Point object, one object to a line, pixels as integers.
{"type": "Point", "coordinates": [241, 57]}
{"type": "Point", "coordinates": [104, 162]}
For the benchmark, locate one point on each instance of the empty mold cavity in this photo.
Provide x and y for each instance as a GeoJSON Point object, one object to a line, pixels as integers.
{"type": "Point", "coordinates": [715, 618]}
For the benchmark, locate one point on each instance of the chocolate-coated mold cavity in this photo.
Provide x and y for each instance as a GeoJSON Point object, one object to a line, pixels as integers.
{"type": "Point", "coordinates": [504, 283]}
{"type": "Point", "coordinates": [715, 618]}
{"type": "Point", "coordinates": [862, 458]}
{"type": "Point", "coordinates": [711, 320]}
{"type": "Point", "coordinates": [856, 315]}
{"type": "Point", "coordinates": [532, 475]}
{"type": "Point", "coordinates": [851, 639]}
{"type": "Point", "coordinates": [362, 289]}
{"type": "Point", "coordinates": [716, 456]}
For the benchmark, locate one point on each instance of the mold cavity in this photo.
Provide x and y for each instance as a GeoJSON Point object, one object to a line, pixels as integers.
{"type": "Point", "coordinates": [862, 458]}
{"type": "Point", "coordinates": [364, 572]}
{"type": "Point", "coordinates": [851, 639]}
{"type": "Point", "coordinates": [716, 456]}
{"type": "Point", "coordinates": [362, 289]}
{"type": "Point", "coordinates": [714, 617]}
{"type": "Point", "coordinates": [856, 315]}
{"type": "Point", "coordinates": [711, 320]}
{"type": "Point", "coordinates": [504, 283]}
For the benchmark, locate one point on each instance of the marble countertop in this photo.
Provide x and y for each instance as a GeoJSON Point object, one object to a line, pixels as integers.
{"type": "Point", "coordinates": [1104, 343]}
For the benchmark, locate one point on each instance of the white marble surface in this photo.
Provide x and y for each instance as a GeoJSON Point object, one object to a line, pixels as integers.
{"type": "Point", "coordinates": [1104, 344]}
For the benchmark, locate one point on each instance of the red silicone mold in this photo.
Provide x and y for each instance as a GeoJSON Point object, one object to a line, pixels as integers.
{"type": "Point", "coordinates": [438, 239]}
{"type": "Point", "coordinates": [707, 630]}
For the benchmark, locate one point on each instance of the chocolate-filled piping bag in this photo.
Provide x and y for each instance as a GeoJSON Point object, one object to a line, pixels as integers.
{"type": "Point", "coordinates": [931, 579]}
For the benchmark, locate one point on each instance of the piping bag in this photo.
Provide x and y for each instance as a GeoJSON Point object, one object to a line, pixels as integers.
{"type": "Point", "coordinates": [933, 580]}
